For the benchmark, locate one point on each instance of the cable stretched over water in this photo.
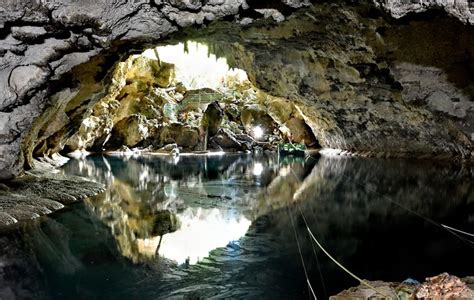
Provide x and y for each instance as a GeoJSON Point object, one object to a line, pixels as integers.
{"type": "Point", "coordinates": [301, 256]}
{"type": "Point", "coordinates": [447, 228]}
{"type": "Point", "coordinates": [451, 230]}
{"type": "Point", "coordinates": [319, 269]}
{"type": "Point", "coordinates": [336, 262]}
{"type": "Point", "coordinates": [457, 230]}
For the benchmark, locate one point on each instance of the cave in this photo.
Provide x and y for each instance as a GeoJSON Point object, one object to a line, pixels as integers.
{"type": "Point", "coordinates": [177, 98]}
{"type": "Point", "coordinates": [236, 149]}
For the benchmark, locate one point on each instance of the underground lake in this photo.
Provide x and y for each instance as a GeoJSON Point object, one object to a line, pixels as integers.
{"type": "Point", "coordinates": [236, 149]}
{"type": "Point", "coordinates": [203, 227]}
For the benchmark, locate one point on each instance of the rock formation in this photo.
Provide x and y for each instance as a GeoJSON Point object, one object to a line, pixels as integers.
{"type": "Point", "coordinates": [344, 66]}
{"type": "Point", "coordinates": [462, 10]}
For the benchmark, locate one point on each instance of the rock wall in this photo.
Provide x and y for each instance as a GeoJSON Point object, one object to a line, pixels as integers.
{"type": "Point", "coordinates": [462, 10]}
{"type": "Point", "coordinates": [44, 43]}
{"type": "Point", "coordinates": [40, 41]}
{"type": "Point", "coordinates": [365, 83]}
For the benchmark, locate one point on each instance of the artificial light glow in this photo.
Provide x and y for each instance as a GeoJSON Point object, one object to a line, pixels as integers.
{"type": "Point", "coordinates": [257, 132]}
{"type": "Point", "coordinates": [284, 171]}
{"type": "Point", "coordinates": [257, 169]}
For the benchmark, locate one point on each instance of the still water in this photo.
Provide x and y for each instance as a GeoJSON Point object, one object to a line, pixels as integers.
{"type": "Point", "coordinates": [220, 227]}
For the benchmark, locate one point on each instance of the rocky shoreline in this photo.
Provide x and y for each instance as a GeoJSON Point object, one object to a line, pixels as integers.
{"type": "Point", "coordinates": [33, 195]}
{"type": "Point", "coordinates": [442, 286]}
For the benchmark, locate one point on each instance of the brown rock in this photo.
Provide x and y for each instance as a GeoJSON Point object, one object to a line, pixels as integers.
{"type": "Point", "coordinates": [300, 132]}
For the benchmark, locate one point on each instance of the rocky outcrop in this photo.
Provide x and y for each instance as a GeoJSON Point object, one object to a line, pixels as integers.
{"type": "Point", "coordinates": [32, 196]}
{"type": "Point", "coordinates": [43, 41]}
{"type": "Point", "coordinates": [462, 10]}
{"type": "Point", "coordinates": [443, 286]}
{"type": "Point", "coordinates": [56, 57]}
{"type": "Point", "coordinates": [146, 108]}
{"type": "Point", "coordinates": [347, 81]}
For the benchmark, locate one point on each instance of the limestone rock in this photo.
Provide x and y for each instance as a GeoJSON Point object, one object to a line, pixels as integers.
{"type": "Point", "coordinates": [300, 132]}
{"type": "Point", "coordinates": [25, 78]}
{"type": "Point", "coordinates": [176, 133]}
{"type": "Point", "coordinates": [29, 197]}
{"type": "Point", "coordinates": [143, 69]}
{"type": "Point", "coordinates": [166, 75]}
{"type": "Point", "coordinates": [444, 286]}
{"type": "Point", "coordinates": [325, 58]}
{"type": "Point", "coordinates": [170, 148]}
{"type": "Point", "coordinates": [232, 111]}
{"type": "Point", "coordinates": [188, 137]}
{"type": "Point", "coordinates": [272, 13]}
{"type": "Point", "coordinates": [225, 139]}
{"type": "Point", "coordinates": [462, 10]}
{"type": "Point", "coordinates": [28, 34]}
{"type": "Point", "coordinates": [256, 115]}
{"type": "Point", "coordinates": [279, 109]}
{"type": "Point", "coordinates": [129, 131]}
{"type": "Point", "coordinates": [77, 26]}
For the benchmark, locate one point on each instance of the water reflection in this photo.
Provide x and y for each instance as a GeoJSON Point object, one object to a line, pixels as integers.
{"type": "Point", "coordinates": [232, 214]}
{"type": "Point", "coordinates": [179, 209]}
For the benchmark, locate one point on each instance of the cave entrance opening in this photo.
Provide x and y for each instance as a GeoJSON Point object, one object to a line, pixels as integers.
{"type": "Point", "coordinates": [182, 97]}
{"type": "Point", "coordinates": [178, 98]}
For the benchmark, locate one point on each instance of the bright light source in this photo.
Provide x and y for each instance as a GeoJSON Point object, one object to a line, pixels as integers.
{"type": "Point", "coordinates": [257, 169]}
{"type": "Point", "coordinates": [257, 132]}
{"type": "Point", "coordinates": [284, 171]}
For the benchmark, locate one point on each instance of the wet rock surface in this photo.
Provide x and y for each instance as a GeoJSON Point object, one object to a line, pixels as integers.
{"type": "Point", "coordinates": [30, 196]}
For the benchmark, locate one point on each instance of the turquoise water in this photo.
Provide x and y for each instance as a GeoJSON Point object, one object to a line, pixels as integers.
{"type": "Point", "coordinates": [220, 227]}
